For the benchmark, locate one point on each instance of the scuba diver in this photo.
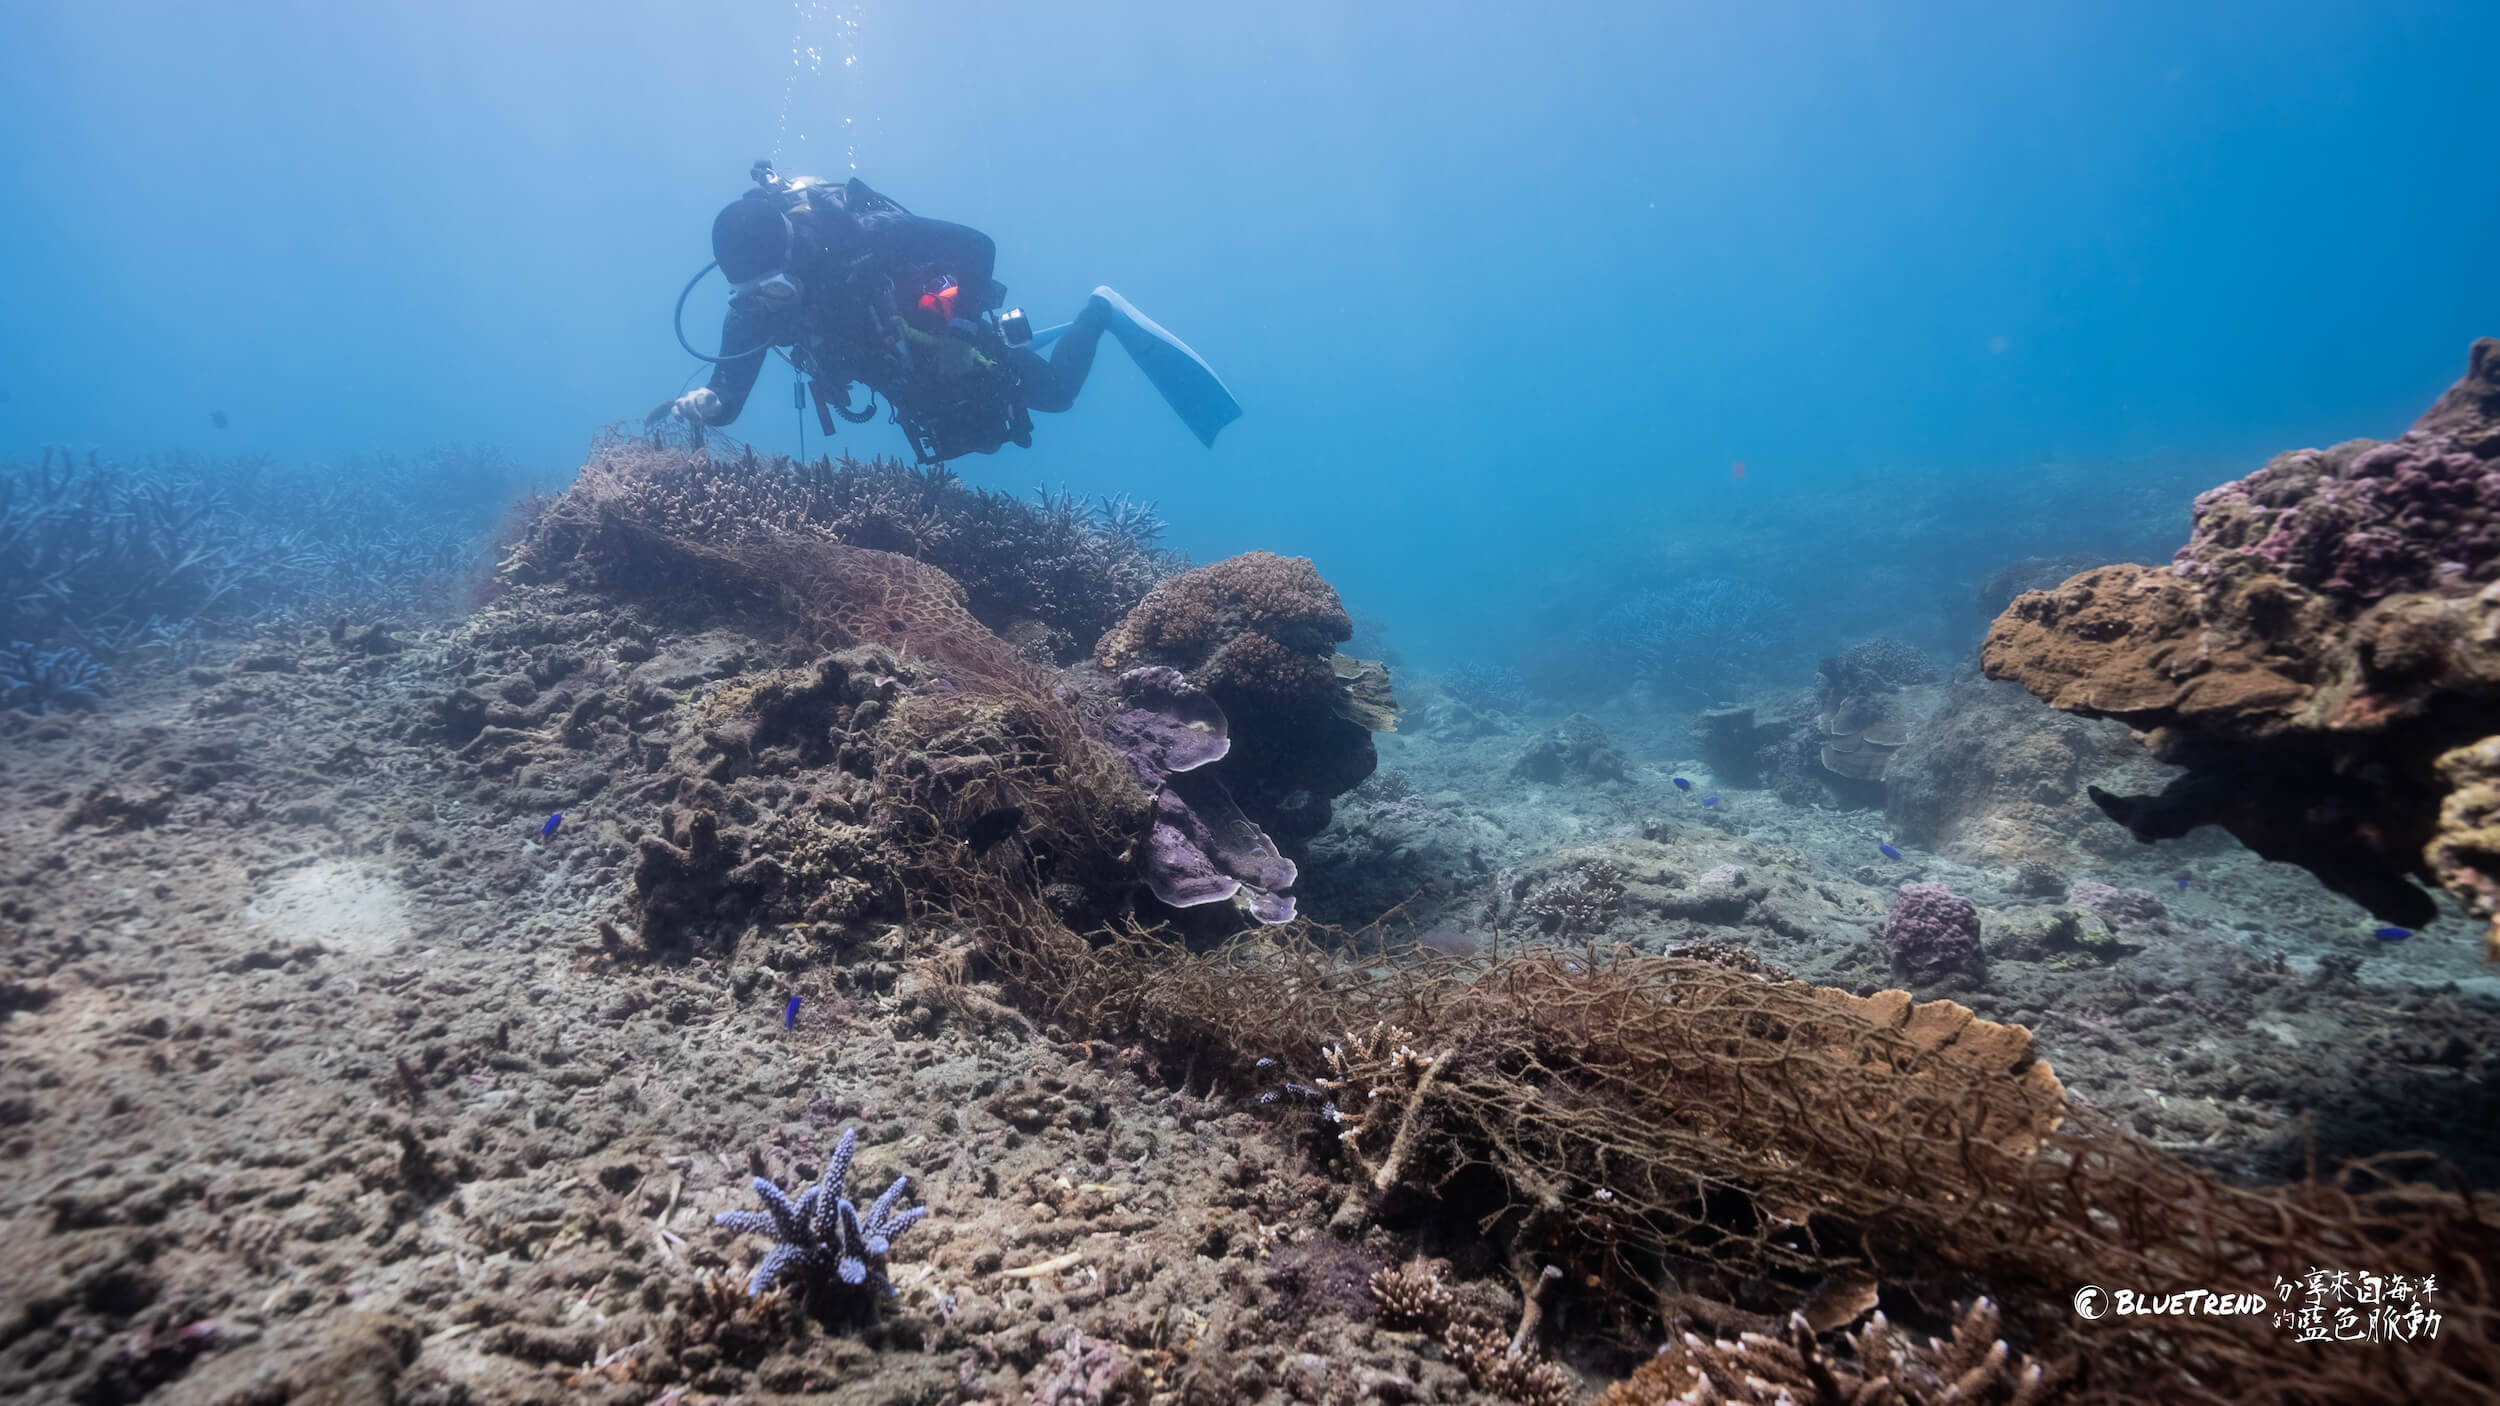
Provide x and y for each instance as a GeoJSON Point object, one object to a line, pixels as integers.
{"type": "Point", "coordinates": [861, 291]}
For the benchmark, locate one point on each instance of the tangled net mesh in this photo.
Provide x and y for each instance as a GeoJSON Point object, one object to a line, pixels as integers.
{"type": "Point", "coordinates": [1645, 1122]}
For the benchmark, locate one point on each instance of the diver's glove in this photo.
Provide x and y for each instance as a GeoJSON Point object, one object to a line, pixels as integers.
{"type": "Point", "coordinates": [696, 406]}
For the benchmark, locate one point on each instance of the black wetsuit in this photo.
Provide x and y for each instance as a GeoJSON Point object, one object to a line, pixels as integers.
{"type": "Point", "coordinates": [851, 245]}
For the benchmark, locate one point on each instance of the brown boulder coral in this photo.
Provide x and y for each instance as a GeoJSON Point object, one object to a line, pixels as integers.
{"type": "Point", "coordinates": [2323, 657]}
{"type": "Point", "coordinates": [1258, 632]}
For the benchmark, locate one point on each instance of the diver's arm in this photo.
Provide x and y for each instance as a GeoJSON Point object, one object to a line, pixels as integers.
{"type": "Point", "coordinates": [734, 378]}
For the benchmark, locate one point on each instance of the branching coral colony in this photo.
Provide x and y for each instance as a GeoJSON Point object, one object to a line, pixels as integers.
{"type": "Point", "coordinates": [823, 1242]}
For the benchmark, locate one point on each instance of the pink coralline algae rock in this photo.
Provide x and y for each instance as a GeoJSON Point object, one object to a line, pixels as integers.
{"type": "Point", "coordinates": [2363, 521]}
{"type": "Point", "coordinates": [1933, 936]}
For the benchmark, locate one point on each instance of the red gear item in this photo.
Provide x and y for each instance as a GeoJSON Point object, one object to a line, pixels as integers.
{"type": "Point", "coordinates": [938, 300]}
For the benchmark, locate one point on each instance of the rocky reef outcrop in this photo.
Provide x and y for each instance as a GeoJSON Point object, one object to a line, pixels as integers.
{"type": "Point", "coordinates": [1994, 778]}
{"type": "Point", "coordinates": [1258, 634]}
{"type": "Point", "coordinates": [2323, 657]}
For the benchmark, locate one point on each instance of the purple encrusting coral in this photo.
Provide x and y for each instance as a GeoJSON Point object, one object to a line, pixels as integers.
{"type": "Point", "coordinates": [2364, 521]}
{"type": "Point", "coordinates": [1933, 936]}
{"type": "Point", "coordinates": [1203, 849]}
{"type": "Point", "coordinates": [822, 1236]}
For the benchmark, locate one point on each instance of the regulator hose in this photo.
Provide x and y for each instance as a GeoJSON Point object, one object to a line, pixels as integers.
{"type": "Point", "coordinates": [679, 322]}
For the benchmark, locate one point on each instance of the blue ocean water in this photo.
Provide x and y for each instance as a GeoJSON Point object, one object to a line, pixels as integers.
{"type": "Point", "coordinates": [1507, 294]}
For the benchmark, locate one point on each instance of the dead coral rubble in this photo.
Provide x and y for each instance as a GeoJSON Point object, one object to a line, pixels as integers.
{"type": "Point", "coordinates": [1880, 1364]}
{"type": "Point", "coordinates": [2323, 656]}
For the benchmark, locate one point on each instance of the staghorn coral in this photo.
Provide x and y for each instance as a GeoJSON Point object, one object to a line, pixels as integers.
{"type": "Point", "coordinates": [1579, 901]}
{"type": "Point", "coordinates": [41, 680]}
{"type": "Point", "coordinates": [1703, 637]}
{"type": "Point", "coordinates": [1932, 936]}
{"type": "Point", "coordinates": [1415, 1298]}
{"type": "Point", "coordinates": [1048, 566]}
{"type": "Point", "coordinates": [1412, 1298]}
{"type": "Point", "coordinates": [821, 1241]}
{"type": "Point", "coordinates": [2330, 633]}
{"type": "Point", "coordinates": [1880, 1364]}
{"type": "Point", "coordinates": [1487, 1357]}
{"type": "Point", "coordinates": [129, 562]}
{"type": "Point", "coordinates": [2132, 914]}
{"type": "Point", "coordinates": [1485, 684]}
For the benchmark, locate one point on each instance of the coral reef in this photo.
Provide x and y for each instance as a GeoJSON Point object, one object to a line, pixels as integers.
{"type": "Point", "coordinates": [1734, 743]}
{"type": "Point", "coordinates": [1411, 1298]}
{"type": "Point", "coordinates": [1863, 708]}
{"type": "Point", "coordinates": [1880, 1363]}
{"type": "Point", "coordinates": [414, 1058]}
{"type": "Point", "coordinates": [1701, 638]}
{"type": "Point", "coordinates": [1049, 573]}
{"type": "Point", "coordinates": [955, 760]}
{"type": "Point", "coordinates": [1580, 900]}
{"type": "Point", "coordinates": [1507, 1365]}
{"type": "Point", "coordinates": [1487, 685]}
{"type": "Point", "coordinates": [1575, 751]}
{"type": "Point", "coordinates": [821, 1240]}
{"type": "Point", "coordinates": [2322, 643]}
{"type": "Point", "coordinates": [130, 564]}
{"type": "Point", "coordinates": [1932, 936]}
{"type": "Point", "coordinates": [1049, 565]}
{"type": "Point", "coordinates": [1258, 632]}
{"type": "Point", "coordinates": [42, 680]}
{"type": "Point", "coordinates": [1995, 777]}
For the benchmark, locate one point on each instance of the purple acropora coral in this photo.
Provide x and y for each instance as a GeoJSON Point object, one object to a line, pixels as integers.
{"type": "Point", "coordinates": [1933, 936]}
{"type": "Point", "coordinates": [1203, 849]}
{"type": "Point", "coordinates": [2364, 521]}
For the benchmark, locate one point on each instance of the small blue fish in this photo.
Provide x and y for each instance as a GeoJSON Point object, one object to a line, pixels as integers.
{"type": "Point", "coordinates": [2183, 886]}
{"type": "Point", "coordinates": [1709, 801]}
{"type": "Point", "coordinates": [1263, 1063]}
{"type": "Point", "coordinates": [1887, 851]}
{"type": "Point", "coordinates": [1683, 785]}
{"type": "Point", "coordinates": [2392, 934]}
{"type": "Point", "coordinates": [790, 1015]}
{"type": "Point", "coordinates": [1268, 1097]}
{"type": "Point", "coordinates": [548, 830]}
